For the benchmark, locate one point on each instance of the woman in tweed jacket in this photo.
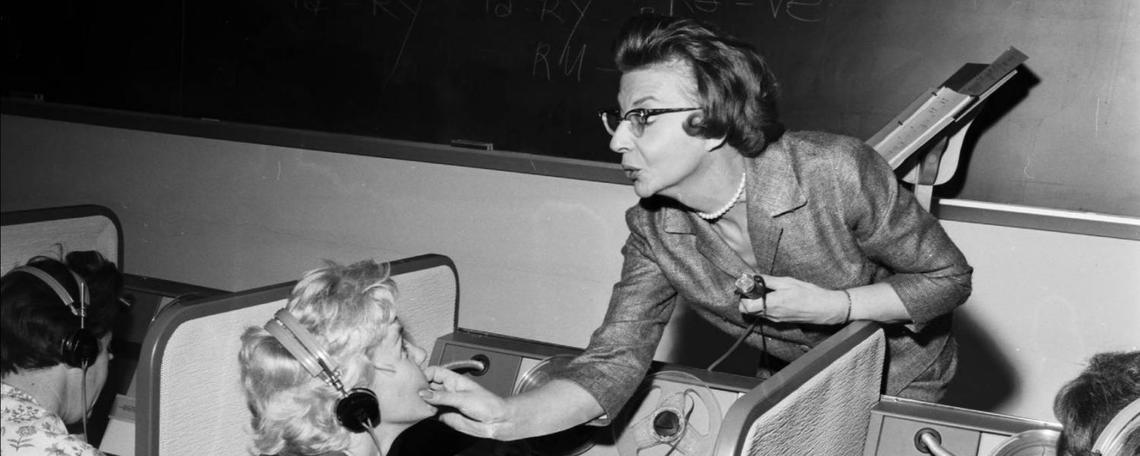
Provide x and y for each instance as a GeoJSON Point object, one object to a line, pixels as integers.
{"type": "Point", "coordinates": [728, 194]}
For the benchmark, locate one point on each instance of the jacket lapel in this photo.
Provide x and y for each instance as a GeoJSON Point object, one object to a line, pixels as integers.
{"type": "Point", "coordinates": [706, 241]}
{"type": "Point", "coordinates": [773, 189]}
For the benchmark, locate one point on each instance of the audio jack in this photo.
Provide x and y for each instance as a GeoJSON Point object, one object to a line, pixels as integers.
{"type": "Point", "coordinates": [929, 441]}
{"type": "Point", "coordinates": [476, 365]}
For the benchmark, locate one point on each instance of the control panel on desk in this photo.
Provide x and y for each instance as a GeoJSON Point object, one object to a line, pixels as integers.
{"type": "Point", "coordinates": [898, 426]}
{"type": "Point", "coordinates": [677, 410]}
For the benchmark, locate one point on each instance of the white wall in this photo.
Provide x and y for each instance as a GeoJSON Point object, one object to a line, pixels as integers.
{"type": "Point", "coordinates": [1043, 302]}
{"type": "Point", "coordinates": [237, 216]}
{"type": "Point", "coordinates": [536, 255]}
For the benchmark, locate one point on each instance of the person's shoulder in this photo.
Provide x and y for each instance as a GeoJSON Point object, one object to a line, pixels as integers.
{"type": "Point", "coordinates": [77, 446]}
{"type": "Point", "coordinates": [31, 429]}
{"type": "Point", "coordinates": [817, 153]}
{"type": "Point", "coordinates": [43, 436]}
{"type": "Point", "coordinates": [18, 408]}
{"type": "Point", "coordinates": [835, 162]}
{"type": "Point", "coordinates": [821, 143]}
{"type": "Point", "coordinates": [811, 138]}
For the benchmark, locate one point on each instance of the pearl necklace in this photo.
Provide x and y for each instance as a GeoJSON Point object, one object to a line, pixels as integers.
{"type": "Point", "coordinates": [724, 210]}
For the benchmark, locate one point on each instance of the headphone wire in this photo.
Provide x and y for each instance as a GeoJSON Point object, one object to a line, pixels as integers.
{"type": "Point", "coordinates": [747, 332]}
{"type": "Point", "coordinates": [374, 437]}
{"type": "Point", "coordinates": [83, 303]}
{"type": "Point", "coordinates": [83, 389]}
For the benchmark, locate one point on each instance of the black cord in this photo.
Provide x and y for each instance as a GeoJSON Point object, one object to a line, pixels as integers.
{"type": "Point", "coordinates": [751, 287]}
{"type": "Point", "coordinates": [372, 436]}
{"type": "Point", "coordinates": [740, 340]}
{"type": "Point", "coordinates": [83, 389]}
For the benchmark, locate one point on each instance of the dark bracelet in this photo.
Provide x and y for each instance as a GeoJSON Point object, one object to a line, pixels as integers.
{"type": "Point", "coordinates": [847, 319]}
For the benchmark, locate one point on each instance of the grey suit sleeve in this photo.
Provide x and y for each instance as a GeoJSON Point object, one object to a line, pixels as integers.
{"type": "Point", "coordinates": [930, 273]}
{"type": "Point", "coordinates": [622, 348]}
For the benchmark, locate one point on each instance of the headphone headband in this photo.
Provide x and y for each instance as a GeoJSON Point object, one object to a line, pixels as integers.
{"type": "Point", "coordinates": [304, 347]}
{"type": "Point", "coordinates": [80, 348]}
{"type": "Point", "coordinates": [84, 295]}
{"type": "Point", "coordinates": [357, 410]}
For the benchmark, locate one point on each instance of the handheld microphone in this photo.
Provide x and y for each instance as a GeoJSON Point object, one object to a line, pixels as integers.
{"type": "Point", "coordinates": [751, 286]}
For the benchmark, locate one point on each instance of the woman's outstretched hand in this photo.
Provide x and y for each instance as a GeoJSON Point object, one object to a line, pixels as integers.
{"type": "Point", "coordinates": [464, 405]}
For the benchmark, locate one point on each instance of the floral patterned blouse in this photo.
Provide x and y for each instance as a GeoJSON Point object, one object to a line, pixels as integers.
{"type": "Point", "coordinates": [29, 429]}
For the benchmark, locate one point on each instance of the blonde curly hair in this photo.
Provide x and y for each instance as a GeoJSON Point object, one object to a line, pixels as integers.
{"type": "Point", "coordinates": [348, 309]}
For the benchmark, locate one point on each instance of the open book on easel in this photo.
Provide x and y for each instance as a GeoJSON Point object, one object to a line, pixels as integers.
{"type": "Point", "coordinates": [945, 112]}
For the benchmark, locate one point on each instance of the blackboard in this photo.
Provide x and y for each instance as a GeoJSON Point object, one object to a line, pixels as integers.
{"type": "Point", "coordinates": [528, 75]}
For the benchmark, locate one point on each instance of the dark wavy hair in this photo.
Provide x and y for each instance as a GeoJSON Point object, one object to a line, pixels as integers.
{"type": "Point", "coordinates": [33, 320]}
{"type": "Point", "coordinates": [1088, 403]}
{"type": "Point", "coordinates": [734, 82]}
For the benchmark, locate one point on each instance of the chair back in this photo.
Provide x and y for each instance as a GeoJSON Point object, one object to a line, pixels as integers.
{"type": "Point", "coordinates": [818, 404]}
{"type": "Point", "coordinates": [190, 401]}
{"type": "Point", "coordinates": [53, 232]}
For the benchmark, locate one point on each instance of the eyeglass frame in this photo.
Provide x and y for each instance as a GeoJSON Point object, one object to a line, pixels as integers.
{"type": "Point", "coordinates": [643, 114]}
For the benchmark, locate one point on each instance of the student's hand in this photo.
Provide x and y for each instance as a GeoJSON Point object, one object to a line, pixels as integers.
{"type": "Point", "coordinates": [795, 301]}
{"type": "Point", "coordinates": [464, 405]}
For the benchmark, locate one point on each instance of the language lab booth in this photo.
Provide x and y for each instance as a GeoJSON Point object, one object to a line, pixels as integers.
{"type": "Point", "coordinates": [174, 386]}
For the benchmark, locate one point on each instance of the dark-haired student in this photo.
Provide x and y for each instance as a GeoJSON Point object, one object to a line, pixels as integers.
{"type": "Point", "coordinates": [727, 194]}
{"type": "Point", "coordinates": [55, 329]}
{"type": "Point", "coordinates": [1087, 404]}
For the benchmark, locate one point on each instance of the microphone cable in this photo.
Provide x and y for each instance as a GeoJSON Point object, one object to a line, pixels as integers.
{"type": "Point", "coordinates": [751, 287]}
{"type": "Point", "coordinates": [740, 340]}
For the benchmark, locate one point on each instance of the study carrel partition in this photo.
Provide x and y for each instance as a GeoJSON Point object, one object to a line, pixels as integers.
{"type": "Point", "coordinates": [54, 232]}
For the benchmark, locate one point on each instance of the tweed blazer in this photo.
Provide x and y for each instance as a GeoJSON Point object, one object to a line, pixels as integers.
{"type": "Point", "coordinates": [822, 208]}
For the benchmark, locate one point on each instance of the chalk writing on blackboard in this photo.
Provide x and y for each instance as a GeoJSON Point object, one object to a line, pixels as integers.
{"type": "Point", "coordinates": [800, 10]}
{"type": "Point", "coordinates": [397, 9]}
{"type": "Point", "coordinates": [797, 10]}
{"type": "Point", "coordinates": [407, 33]}
{"type": "Point", "coordinates": [572, 54]}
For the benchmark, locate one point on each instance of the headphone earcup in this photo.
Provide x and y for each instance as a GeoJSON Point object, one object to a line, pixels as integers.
{"type": "Point", "coordinates": [359, 410]}
{"type": "Point", "coordinates": [79, 349]}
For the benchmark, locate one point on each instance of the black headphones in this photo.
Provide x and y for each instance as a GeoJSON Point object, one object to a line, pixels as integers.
{"type": "Point", "coordinates": [358, 409]}
{"type": "Point", "coordinates": [80, 348]}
